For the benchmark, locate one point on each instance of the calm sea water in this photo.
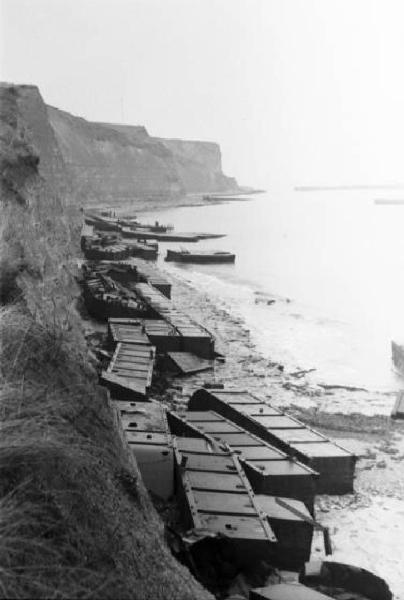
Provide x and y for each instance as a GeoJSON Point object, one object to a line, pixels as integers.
{"type": "Point", "coordinates": [332, 261]}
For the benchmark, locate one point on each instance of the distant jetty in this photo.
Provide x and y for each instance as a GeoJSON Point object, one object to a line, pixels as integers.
{"type": "Point", "coordinates": [347, 188]}
{"type": "Point", "coordinates": [390, 201]}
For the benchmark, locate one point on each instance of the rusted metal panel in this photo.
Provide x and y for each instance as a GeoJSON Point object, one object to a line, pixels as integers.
{"type": "Point", "coordinates": [190, 444]}
{"type": "Point", "coordinates": [229, 511]}
{"type": "Point", "coordinates": [269, 470]}
{"type": "Point", "coordinates": [162, 335]}
{"type": "Point", "coordinates": [153, 276]}
{"type": "Point", "coordinates": [257, 408]}
{"type": "Point", "coordinates": [277, 421]}
{"type": "Point", "coordinates": [186, 363]}
{"type": "Point", "coordinates": [143, 416]}
{"type": "Point", "coordinates": [287, 591]}
{"type": "Point", "coordinates": [293, 527]}
{"type": "Point", "coordinates": [154, 456]}
{"type": "Point", "coordinates": [127, 333]}
{"type": "Point", "coordinates": [216, 463]}
{"type": "Point", "coordinates": [212, 481]}
{"type": "Point", "coordinates": [203, 415]}
{"type": "Point", "coordinates": [214, 427]}
{"type": "Point", "coordinates": [129, 374]}
{"type": "Point", "coordinates": [235, 439]}
{"type": "Point", "coordinates": [238, 527]}
{"type": "Point", "coordinates": [335, 464]}
{"type": "Point", "coordinates": [228, 503]}
{"type": "Point", "coordinates": [297, 436]}
{"type": "Point", "coordinates": [194, 338]}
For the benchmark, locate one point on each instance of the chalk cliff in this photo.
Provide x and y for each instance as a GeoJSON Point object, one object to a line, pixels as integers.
{"type": "Point", "coordinates": [108, 163]}
{"type": "Point", "coordinates": [112, 162]}
{"type": "Point", "coordinates": [199, 165]}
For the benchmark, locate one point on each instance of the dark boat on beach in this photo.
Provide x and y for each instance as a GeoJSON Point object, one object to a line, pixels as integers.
{"type": "Point", "coordinates": [186, 256]}
{"type": "Point", "coordinates": [105, 298]}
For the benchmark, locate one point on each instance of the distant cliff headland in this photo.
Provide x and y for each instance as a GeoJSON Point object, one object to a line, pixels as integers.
{"type": "Point", "coordinates": [109, 163]}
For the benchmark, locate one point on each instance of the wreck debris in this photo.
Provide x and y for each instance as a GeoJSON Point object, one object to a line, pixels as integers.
{"type": "Point", "coordinates": [287, 591]}
{"type": "Point", "coordinates": [398, 409]}
{"type": "Point", "coordinates": [187, 363]}
{"type": "Point", "coordinates": [269, 470]}
{"type": "Point", "coordinates": [128, 331]}
{"type": "Point", "coordinates": [129, 374]}
{"type": "Point", "coordinates": [348, 577]}
{"type": "Point", "coordinates": [217, 501]}
{"type": "Point", "coordinates": [154, 455]}
{"type": "Point", "coordinates": [335, 465]}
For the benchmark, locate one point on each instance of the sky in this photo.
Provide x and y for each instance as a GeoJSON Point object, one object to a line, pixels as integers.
{"type": "Point", "coordinates": [295, 91]}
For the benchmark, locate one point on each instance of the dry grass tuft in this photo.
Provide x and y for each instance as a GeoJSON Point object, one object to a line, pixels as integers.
{"type": "Point", "coordinates": [75, 520]}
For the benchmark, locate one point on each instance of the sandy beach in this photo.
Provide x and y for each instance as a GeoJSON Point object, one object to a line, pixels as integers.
{"type": "Point", "coordinates": [365, 526]}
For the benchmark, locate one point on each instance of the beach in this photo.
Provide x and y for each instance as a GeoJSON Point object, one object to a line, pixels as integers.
{"type": "Point", "coordinates": [365, 526]}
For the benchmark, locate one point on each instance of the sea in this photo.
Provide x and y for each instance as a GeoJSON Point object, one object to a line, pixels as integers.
{"type": "Point", "coordinates": [318, 278]}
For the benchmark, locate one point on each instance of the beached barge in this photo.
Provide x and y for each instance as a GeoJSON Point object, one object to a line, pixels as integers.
{"type": "Point", "coordinates": [216, 500]}
{"type": "Point", "coordinates": [144, 234]}
{"type": "Point", "coordinates": [161, 334]}
{"type": "Point", "coordinates": [269, 470]}
{"type": "Point", "coordinates": [95, 251]}
{"type": "Point", "coordinates": [129, 374]}
{"type": "Point", "coordinates": [194, 337]}
{"type": "Point", "coordinates": [149, 274]}
{"type": "Point", "coordinates": [132, 271]}
{"type": "Point", "coordinates": [102, 223]}
{"type": "Point", "coordinates": [203, 257]}
{"type": "Point", "coordinates": [104, 298]}
{"type": "Point", "coordinates": [335, 465]}
{"type": "Point", "coordinates": [144, 250]}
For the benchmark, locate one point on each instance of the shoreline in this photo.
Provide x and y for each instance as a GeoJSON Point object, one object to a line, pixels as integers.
{"type": "Point", "coordinates": [360, 523]}
{"type": "Point", "coordinates": [289, 385]}
{"type": "Point", "coordinates": [138, 205]}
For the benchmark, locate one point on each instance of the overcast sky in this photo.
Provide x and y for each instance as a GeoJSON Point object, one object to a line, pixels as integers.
{"type": "Point", "coordinates": [297, 91]}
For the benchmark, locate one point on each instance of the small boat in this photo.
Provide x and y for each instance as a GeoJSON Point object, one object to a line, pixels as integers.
{"type": "Point", "coordinates": [207, 256]}
{"type": "Point", "coordinates": [397, 355]}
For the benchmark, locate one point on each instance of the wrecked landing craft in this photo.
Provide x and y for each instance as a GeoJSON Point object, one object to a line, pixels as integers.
{"type": "Point", "coordinates": [335, 465]}
{"type": "Point", "coordinates": [269, 470]}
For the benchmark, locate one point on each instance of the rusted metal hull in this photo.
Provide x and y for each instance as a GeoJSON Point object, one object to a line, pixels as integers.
{"type": "Point", "coordinates": [335, 465]}
{"type": "Point", "coordinates": [195, 257]}
{"type": "Point", "coordinates": [269, 470]}
{"type": "Point", "coordinates": [217, 502]}
{"type": "Point", "coordinates": [96, 252]}
{"type": "Point", "coordinates": [294, 533]}
{"type": "Point", "coordinates": [194, 337]}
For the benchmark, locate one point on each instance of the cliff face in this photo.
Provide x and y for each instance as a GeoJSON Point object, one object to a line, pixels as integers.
{"type": "Point", "coordinates": [199, 165]}
{"type": "Point", "coordinates": [114, 163]}
{"type": "Point", "coordinates": [111, 163]}
{"type": "Point", "coordinates": [25, 124]}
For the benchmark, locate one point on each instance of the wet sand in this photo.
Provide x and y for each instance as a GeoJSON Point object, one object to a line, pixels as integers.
{"type": "Point", "coordinates": [366, 526]}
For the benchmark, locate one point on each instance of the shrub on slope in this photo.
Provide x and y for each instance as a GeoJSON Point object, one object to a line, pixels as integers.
{"type": "Point", "coordinates": [75, 520]}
